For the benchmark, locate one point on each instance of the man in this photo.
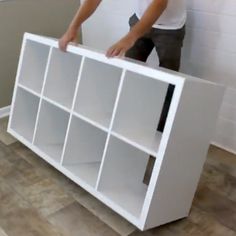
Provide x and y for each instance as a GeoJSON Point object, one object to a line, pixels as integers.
{"type": "Point", "coordinates": [156, 23]}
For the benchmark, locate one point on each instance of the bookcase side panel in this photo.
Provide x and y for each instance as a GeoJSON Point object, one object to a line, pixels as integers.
{"type": "Point", "coordinates": [185, 153]}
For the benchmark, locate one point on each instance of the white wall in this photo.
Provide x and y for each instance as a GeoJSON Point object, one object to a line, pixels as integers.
{"type": "Point", "coordinates": [108, 24]}
{"type": "Point", "coordinates": [209, 50]}
{"type": "Point", "coordinates": [210, 53]}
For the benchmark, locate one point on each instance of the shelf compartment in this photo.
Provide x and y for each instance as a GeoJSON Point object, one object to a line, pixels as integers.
{"type": "Point", "coordinates": [97, 91]}
{"type": "Point", "coordinates": [25, 113]}
{"type": "Point", "coordinates": [139, 110]}
{"type": "Point", "coordinates": [149, 144]}
{"type": "Point", "coordinates": [84, 150]}
{"type": "Point", "coordinates": [51, 130]}
{"type": "Point", "coordinates": [62, 77]}
{"type": "Point", "coordinates": [123, 174]}
{"type": "Point", "coordinates": [34, 65]}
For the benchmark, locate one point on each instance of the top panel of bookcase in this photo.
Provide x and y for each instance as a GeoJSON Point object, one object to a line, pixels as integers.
{"type": "Point", "coordinates": [141, 68]}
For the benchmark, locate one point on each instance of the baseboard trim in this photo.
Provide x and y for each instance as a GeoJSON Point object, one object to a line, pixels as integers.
{"type": "Point", "coordinates": [224, 147]}
{"type": "Point", "coordinates": [5, 111]}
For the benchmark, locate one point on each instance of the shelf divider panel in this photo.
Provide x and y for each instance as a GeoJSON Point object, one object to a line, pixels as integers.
{"type": "Point", "coordinates": [122, 179]}
{"type": "Point", "coordinates": [62, 77]}
{"type": "Point", "coordinates": [97, 91]}
{"type": "Point", "coordinates": [84, 150]}
{"type": "Point", "coordinates": [111, 124]}
{"type": "Point", "coordinates": [51, 130]}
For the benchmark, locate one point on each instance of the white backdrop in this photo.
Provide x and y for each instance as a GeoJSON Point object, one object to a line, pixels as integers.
{"type": "Point", "coordinates": [209, 51]}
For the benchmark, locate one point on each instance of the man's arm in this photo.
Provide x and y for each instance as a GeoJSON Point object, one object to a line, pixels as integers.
{"type": "Point", "coordinates": [84, 12]}
{"type": "Point", "coordinates": [150, 16]}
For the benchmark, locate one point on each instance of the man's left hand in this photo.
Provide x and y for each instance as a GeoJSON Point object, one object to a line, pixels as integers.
{"type": "Point", "coordinates": [121, 47]}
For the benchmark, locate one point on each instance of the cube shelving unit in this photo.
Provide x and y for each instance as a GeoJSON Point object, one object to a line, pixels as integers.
{"type": "Point", "coordinates": [94, 119]}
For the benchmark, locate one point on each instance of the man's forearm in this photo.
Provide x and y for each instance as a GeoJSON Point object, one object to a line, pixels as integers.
{"type": "Point", "coordinates": [84, 12]}
{"type": "Point", "coordinates": [150, 16]}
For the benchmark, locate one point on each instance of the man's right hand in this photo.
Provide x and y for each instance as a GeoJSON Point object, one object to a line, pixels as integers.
{"type": "Point", "coordinates": [84, 12]}
{"type": "Point", "coordinates": [69, 36]}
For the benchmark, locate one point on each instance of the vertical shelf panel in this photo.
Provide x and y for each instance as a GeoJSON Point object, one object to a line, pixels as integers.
{"type": "Point", "coordinates": [51, 130]}
{"type": "Point", "coordinates": [84, 149]}
{"type": "Point", "coordinates": [62, 77]}
{"type": "Point", "coordinates": [139, 110]}
{"type": "Point", "coordinates": [34, 65]}
{"type": "Point", "coordinates": [97, 91]}
{"type": "Point", "coordinates": [24, 113]}
{"type": "Point", "coordinates": [123, 174]}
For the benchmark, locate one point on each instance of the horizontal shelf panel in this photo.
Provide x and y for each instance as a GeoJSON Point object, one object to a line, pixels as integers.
{"type": "Point", "coordinates": [87, 172]}
{"type": "Point", "coordinates": [29, 90]}
{"type": "Point", "coordinates": [149, 145]}
{"type": "Point", "coordinates": [100, 118]}
{"type": "Point", "coordinates": [128, 197]}
{"type": "Point", "coordinates": [88, 120]}
{"type": "Point", "coordinates": [52, 150]}
{"type": "Point", "coordinates": [58, 105]}
{"type": "Point", "coordinates": [64, 102]}
{"type": "Point", "coordinates": [25, 132]}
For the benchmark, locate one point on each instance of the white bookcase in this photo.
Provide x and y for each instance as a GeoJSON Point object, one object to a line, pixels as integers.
{"type": "Point", "coordinates": [95, 119]}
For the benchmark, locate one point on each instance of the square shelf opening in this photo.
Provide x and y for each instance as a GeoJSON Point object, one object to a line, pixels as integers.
{"type": "Point", "coordinates": [84, 150]}
{"type": "Point", "coordinates": [125, 176]}
{"type": "Point", "coordinates": [62, 77]}
{"type": "Point", "coordinates": [34, 65]}
{"type": "Point", "coordinates": [24, 113]}
{"type": "Point", "coordinates": [139, 110]}
{"type": "Point", "coordinates": [97, 91]}
{"type": "Point", "coordinates": [51, 130]}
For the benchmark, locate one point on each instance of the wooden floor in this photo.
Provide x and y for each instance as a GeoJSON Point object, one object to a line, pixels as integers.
{"type": "Point", "coordinates": [36, 200]}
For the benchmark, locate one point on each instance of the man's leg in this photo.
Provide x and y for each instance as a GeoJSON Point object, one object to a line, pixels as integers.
{"type": "Point", "coordinates": [168, 44]}
{"type": "Point", "coordinates": [169, 58]}
{"type": "Point", "coordinates": [142, 47]}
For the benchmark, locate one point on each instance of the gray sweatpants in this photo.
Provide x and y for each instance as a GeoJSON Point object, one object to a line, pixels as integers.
{"type": "Point", "coordinates": [168, 44]}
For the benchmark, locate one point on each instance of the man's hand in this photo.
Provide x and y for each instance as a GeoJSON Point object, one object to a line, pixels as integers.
{"type": "Point", "coordinates": [120, 48]}
{"type": "Point", "coordinates": [69, 36]}
{"type": "Point", "coordinates": [83, 13]}
{"type": "Point", "coordinates": [146, 22]}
